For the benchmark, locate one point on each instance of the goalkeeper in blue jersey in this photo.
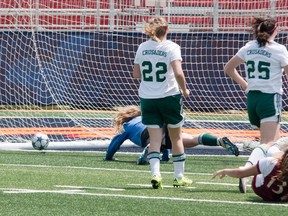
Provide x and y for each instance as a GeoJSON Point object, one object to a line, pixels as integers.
{"type": "Point", "coordinates": [128, 126]}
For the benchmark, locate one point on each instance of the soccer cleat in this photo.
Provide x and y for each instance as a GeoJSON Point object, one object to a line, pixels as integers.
{"type": "Point", "coordinates": [243, 185]}
{"type": "Point", "coordinates": [156, 182]}
{"type": "Point", "coordinates": [182, 182]}
{"type": "Point", "coordinates": [227, 144]}
{"type": "Point", "coordinates": [142, 160]}
{"type": "Point", "coordinates": [110, 159]}
{"type": "Point", "coordinates": [250, 145]}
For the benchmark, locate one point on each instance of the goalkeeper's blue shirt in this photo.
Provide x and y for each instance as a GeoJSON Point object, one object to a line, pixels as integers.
{"type": "Point", "coordinates": [132, 130]}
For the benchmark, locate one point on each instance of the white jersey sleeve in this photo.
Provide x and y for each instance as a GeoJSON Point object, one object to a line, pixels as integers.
{"type": "Point", "coordinates": [137, 56]}
{"type": "Point", "coordinates": [265, 166]}
{"type": "Point", "coordinates": [264, 66]}
{"type": "Point", "coordinates": [284, 53]}
{"type": "Point", "coordinates": [176, 54]}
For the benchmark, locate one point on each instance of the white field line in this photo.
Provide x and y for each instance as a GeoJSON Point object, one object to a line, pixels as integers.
{"type": "Point", "coordinates": [144, 185]}
{"type": "Point", "coordinates": [80, 192]}
{"type": "Point", "coordinates": [93, 188]}
{"type": "Point", "coordinates": [77, 192]}
{"type": "Point", "coordinates": [94, 168]}
{"type": "Point", "coordinates": [20, 190]}
{"type": "Point", "coordinates": [164, 186]}
{"type": "Point", "coordinates": [82, 150]}
{"type": "Point", "coordinates": [217, 183]}
{"type": "Point", "coordinates": [28, 148]}
{"type": "Point", "coordinates": [203, 183]}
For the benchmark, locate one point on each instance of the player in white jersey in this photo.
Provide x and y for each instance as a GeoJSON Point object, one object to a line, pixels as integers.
{"type": "Point", "coordinates": [270, 173]}
{"type": "Point", "coordinates": [155, 59]}
{"type": "Point", "coordinates": [264, 62]}
{"type": "Point", "coordinates": [158, 64]}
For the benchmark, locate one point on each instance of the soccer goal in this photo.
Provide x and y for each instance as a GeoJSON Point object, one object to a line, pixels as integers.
{"type": "Point", "coordinates": [65, 65]}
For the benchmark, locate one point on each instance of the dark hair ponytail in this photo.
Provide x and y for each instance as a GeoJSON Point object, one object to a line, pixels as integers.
{"type": "Point", "coordinates": [263, 29]}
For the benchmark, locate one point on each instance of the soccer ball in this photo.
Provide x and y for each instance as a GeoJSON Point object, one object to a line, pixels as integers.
{"type": "Point", "coordinates": [40, 141]}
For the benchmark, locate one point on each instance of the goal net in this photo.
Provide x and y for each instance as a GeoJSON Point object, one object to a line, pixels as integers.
{"type": "Point", "coordinates": [66, 65]}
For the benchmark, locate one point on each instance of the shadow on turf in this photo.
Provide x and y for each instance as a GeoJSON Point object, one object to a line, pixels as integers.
{"type": "Point", "coordinates": [214, 191]}
{"type": "Point", "coordinates": [257, 199]}
{"type": "Point", "coordinates": [119, 161]}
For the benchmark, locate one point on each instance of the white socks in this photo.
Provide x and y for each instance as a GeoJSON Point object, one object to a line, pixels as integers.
{"type": "Point", "coordinates": [257, 154]}
{"type": "Point", "coordinates": [155, 166]}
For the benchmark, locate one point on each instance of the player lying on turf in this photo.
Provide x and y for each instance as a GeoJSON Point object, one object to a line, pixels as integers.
{"type": "Point", "coordinates": [270, 173]}
{"type": "Point", "coordinates": [128, 126]}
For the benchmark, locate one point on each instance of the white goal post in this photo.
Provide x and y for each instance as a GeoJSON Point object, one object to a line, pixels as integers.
{"type": "Point", "coordinates": [66, 64]}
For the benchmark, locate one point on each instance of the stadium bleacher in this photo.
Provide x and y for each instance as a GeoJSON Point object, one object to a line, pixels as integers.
{"type": "Point", "coordinates": [127, 14]}
{"type": "Point", "coordinates": [227, 4]}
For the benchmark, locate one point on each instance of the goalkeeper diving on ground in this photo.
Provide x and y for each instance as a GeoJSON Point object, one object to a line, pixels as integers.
{"type": "Point", "coordinates": [128, 126]}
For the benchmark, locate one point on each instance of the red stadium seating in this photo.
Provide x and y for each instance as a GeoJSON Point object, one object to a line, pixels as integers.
{"type": "Point", "coordinates": [196, 20]}
{"type": "Point", "coordinates": [7, 20]}
{"type": "Point", "coordinates": [192, 3]}
{"type": "Point", "coordinates": [8, 4]}
{"type": "Point", "coordinates": [52, 20]}
{"type": "Point", "coordinates": [76, 22]}
{"type": "Point", "coordinates": [75, 4]}
{"type": "Point", "coordinates": [282, 23]}
{"type": "Point", "coordinates": [23, 22]}
{"type": "Point", "coordinates": [234, 23]}
{"type": "Point", "coordinates": [227, 4]}
{"type": "Point", "coordinates": [282, 4]}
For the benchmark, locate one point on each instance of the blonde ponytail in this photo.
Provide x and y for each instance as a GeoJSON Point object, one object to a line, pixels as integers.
{"type": "Point", "coordinates": [156, 28]}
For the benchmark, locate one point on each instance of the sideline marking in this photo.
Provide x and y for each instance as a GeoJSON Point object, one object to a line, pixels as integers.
{"type": "Point", "coordinates": [77, 192]}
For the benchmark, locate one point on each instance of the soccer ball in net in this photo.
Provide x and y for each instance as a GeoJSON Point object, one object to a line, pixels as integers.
{"type": "Point", "coordinates": [40, 141]}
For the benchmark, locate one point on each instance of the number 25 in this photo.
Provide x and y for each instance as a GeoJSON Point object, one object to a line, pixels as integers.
{"type": "Point", "coordinates": [263, 69]}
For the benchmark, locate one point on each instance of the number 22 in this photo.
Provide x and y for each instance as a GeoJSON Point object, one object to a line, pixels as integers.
{"type": "Point", "coordinates": [160, 73]}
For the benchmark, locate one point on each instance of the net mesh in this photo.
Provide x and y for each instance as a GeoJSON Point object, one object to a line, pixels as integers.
{"type": "Point", "coordinates": [65, 65]}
